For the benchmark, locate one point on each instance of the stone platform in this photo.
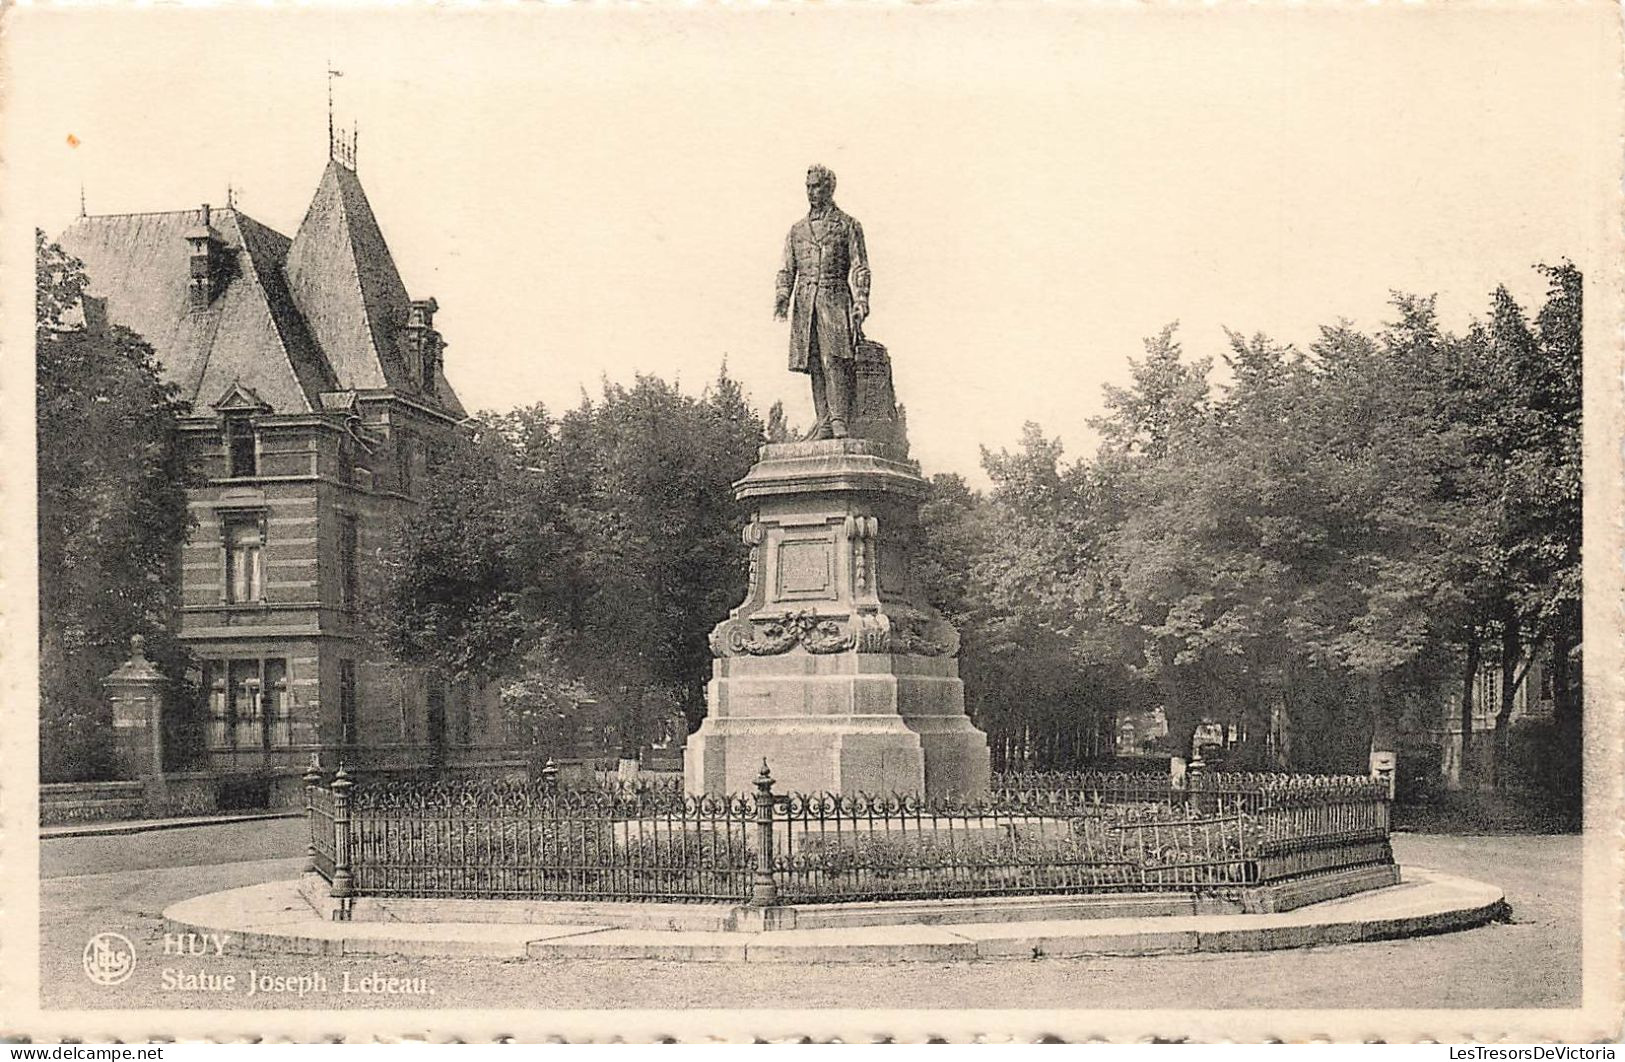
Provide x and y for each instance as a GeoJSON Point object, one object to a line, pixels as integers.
{"type": "Point", "coordinates": [277, 917]}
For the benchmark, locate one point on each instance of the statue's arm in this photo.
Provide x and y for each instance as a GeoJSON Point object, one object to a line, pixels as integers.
{"type": "Point", "coordinates": [860, 273]}
{"type": "Point", "coordinates": [786, 278]}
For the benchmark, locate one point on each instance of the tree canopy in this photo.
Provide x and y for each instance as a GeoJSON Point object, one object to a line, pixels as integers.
{"type": "Point", "coordinates": [1305, 551]}
{"type": "Point", "coordinates": [112, 511]}
{"type": "Point", "coordinates": [582, 555]}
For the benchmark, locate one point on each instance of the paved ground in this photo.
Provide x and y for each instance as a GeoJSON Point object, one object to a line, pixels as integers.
{"type": "Point", "coordinates": [122, 826]}
{"type": "Point", "coordinates": [122, 884]}
{"type": "Point", "coordinates": [276, 918]}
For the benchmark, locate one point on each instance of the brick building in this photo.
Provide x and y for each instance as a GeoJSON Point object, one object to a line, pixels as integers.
{"type": "Point", "coordinates": [317, 388]}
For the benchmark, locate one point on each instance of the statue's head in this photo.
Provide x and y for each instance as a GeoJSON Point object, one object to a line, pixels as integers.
{"type": "Point", "coordinates": [820, 185]}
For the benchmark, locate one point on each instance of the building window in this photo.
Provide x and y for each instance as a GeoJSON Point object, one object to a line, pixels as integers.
{"type": "Point", "coordinates": [245, 543]}
{"type": "Point", "coordinates": [349, 572]}
{"type": "Point", "coordinates": [278, 718]}
{"type": "Point", "coordinates": [248, 704]}
{"type": "Point", "coordinates": [347, 729]}
{"type": "Point", "coordinates": [242, 461]}
{"type": "Point", "coordinates": [248, 727]}
{"type": "Point", "coordinates": [214, 683]}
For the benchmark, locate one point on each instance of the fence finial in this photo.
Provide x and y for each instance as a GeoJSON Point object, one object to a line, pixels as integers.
{"type": "Point", "coordinates": [342, 886]}
{"type": "Point", "coordinates": [764, 890]}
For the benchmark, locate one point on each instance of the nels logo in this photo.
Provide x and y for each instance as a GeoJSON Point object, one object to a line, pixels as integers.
{"type": "Point", "coordinates": [109, 958]}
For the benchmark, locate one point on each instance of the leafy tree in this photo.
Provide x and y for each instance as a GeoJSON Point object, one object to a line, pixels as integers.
{"type": "Point", "coordinates": [580, 557]}
{"type": "Point", "coordinates": [777, 429]}
{"type": "Point", "coordinates": [477, 570]}
{"type": "Point", "coordinates": [1037, 676]}
{"type": "Point", "coordinates": [1525, 433]}
{"type": "Point", "coordinates": [1551, 469]}
{"type": "Point", "coordinates": [112, 512]}
{"type": "Point", "coordinates": [1317, 547]}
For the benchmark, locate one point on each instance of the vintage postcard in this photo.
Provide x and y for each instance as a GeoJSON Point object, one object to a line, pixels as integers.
{"type": "Point", "coordinates": [963, 521]}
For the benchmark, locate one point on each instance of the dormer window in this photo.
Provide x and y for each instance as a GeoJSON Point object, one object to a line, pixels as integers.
{"type": "Point", "coordinates": [237, 409]}
{"type": "Point", "coordinates": [241, 448]}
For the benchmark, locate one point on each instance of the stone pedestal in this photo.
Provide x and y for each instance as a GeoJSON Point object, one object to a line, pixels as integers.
{"type": "Point", "coordinates": [835, 670]}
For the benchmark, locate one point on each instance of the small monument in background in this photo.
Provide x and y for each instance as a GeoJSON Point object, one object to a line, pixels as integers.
{"type": "Point", "coordinates": [835, 669]}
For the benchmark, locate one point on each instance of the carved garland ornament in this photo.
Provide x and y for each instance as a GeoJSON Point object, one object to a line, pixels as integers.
{"type": "Point", "coordinates": [866, 633]}
{"type": "Point", "coordinates": [773, 636]}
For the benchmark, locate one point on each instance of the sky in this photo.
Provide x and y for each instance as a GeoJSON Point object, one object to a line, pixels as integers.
{"type": "Point", "coordinates": [591, 193]}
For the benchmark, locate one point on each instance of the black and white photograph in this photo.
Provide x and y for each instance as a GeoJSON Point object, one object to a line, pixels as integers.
{"type": "Point", "coordinates": [862, 522]}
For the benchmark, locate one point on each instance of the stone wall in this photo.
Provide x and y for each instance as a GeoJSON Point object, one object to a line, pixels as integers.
{"type": "Point", "coordinates": [61, 803]}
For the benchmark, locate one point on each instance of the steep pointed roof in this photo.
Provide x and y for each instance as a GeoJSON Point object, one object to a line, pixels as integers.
{"type": "Point", "coordinates": [251, 331]}
{"type": "Point", "coordinates": [291, 320]}
{"type": "Point", "coordinates": [344, 280]}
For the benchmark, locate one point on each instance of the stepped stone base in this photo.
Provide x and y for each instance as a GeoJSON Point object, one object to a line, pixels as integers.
{"type": "Point", "coordinates": [855, 722]}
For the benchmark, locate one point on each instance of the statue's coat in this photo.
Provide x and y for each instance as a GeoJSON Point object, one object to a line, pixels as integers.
{"type": "Point", "coordinates": [826, 269]}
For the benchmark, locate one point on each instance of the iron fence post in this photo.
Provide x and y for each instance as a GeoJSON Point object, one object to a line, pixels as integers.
{"type": "Point", "coordinates": [764, 892]}
{"type": "Point", "coordinates": [1195, 775]}
{"type": "Point", "coordinates": [550, 776]}
{"type": "Point", "coordinates": [343, 884]}
{"type": "Point", "coordinates": [313, 778]}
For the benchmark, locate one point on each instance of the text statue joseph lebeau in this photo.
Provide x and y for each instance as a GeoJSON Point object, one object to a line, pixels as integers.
{"type": "Point", "coordinates": [836, 670]}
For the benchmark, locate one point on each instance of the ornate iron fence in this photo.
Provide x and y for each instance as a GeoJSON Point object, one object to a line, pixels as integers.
{"type": "Point", "coordinates": [527, 841]}
{"type": "Point", "coordinates": [832, 847]}
{"type": "Point", "coordinates": [1081, 832]}
{"type": "Point", "coordinates": [1319, 825]}
{"type": "Point", "coordinates": [320, 804]}
{"type": "Point", "coordinates": [1105, 787]}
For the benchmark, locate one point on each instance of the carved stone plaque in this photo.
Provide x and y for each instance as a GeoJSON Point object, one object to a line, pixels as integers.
{"type": "Point", "coordinates": [806, 569]}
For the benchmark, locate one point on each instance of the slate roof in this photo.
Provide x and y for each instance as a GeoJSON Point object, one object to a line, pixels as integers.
{"type": "Point", "coordinates": [296, 318]}
{"type": "Point", "coordinates": [344, 279]}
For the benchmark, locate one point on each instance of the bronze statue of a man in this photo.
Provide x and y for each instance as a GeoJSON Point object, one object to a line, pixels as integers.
{"type": "Point", "coordinates": [825, 278]}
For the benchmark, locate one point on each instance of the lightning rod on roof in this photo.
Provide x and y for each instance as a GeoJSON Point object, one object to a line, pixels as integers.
{"type": "Point", "coordinates": [332, 141]}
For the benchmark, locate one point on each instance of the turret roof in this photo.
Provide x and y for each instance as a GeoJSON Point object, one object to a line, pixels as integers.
{"type": "Point", "coordinates": [295, 318]}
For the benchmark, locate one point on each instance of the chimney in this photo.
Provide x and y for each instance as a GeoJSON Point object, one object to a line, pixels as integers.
{"type": "Point", "coordinates": [423, 345]}
{"type": "Point", "coordinates": [208, 262]}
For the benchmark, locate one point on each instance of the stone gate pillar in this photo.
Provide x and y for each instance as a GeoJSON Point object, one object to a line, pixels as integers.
{"type": "Point", "coordinates": [136, 691]}
{"type": "Point", "coordinates": [835, 669]}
